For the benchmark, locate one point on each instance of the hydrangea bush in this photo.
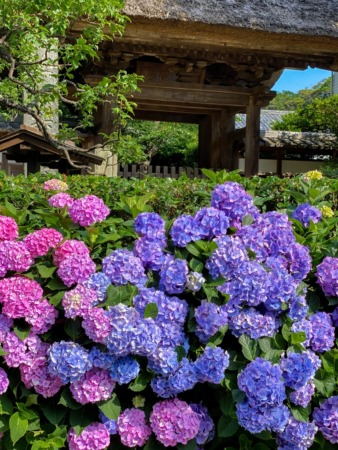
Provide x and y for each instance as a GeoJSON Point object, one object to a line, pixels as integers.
{"type": "Point", "coordinates": [214, 331]}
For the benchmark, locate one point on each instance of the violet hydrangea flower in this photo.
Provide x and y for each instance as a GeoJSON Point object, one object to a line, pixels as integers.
{"type": "Point", "coordinates": [322, 333]}
{"type": "Point", "coordinates": [297, 435]}
{"type": "Point", "coordinates": [4, 381]}
{"type": "Point", "coordinates": [152, 225]}
{"type": "Point", "coordinates": [209, 318]}
{"type": "Point", "coordinates": [174, 421]}
{"type": "Point", "coordinates": [150, 252]}
{"type": "Point", "coordinates": [95, 436]}
{"type": "Point", "coordinates": [259, 418]}
{"type": "Point", "coordinates": [76, 269]}
{"type": "Point", "coordinates": [213, 221]}
{"type": "Point", "coordinates": [299, 368]}
{"type": "Point", "coordinates": [93, 386]}
{"type": "Point", "coordinates": [303, 395]}
{"type": "Point", "coordinates": [99, 282]}
{"type": "Point", "coordinates": [306, 213]}
{"type": "Point", "coordinates": [15, 257]}
{"type": "Point", "coordinates": [173, 276]}
{"type": "Point", "coordinates": [326, 419]}
{"type": "Point", "coordinates": [123, 267]}
{"type": "Point", "coordinates": [206, 430]}
{"type": "Point", "coordinates": [211, 364]}
{"type": "Point", "coordinates": [185, 229]}
{"type": "Point", "coordinates": [88, 210]}
{"type": "Point", "coordinates": [124, 369]}
{"type": "Point", "coordinates": [78, 301]}
{"type": "Point", "coordinates": [253, 323]}
{"type": "Point", "coordinates": [327, 275]}
{"type": "Point", "coordinates": [133, 428]}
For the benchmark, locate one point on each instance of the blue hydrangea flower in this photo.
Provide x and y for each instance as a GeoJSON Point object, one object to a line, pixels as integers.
{"type": "Point", "coordinates": [123, 267]}
{"type": "Point", "coordinates": [173, 276]}
{"type": "Point", "coordinates": [150, 224]}
{"type": "Point", "coordinates": [297, 435]}
{"type": "Point", "coordinates": [185, 229]}
{"type": "Point", "coordinates": [303, 326]}
{"type": "Point", "coordinates": [211, 364]}
{"type": "Point", "coordinates": [298, 308]}
{"type": "Point", "coordinates": [163, 361]}
{"type": "Point", "coordinates": [68, 361]}
{"type": "Point", "coordinates": [99, 359]}
{"type": "Point", "coordinates": [213, 221]}
{"type": "Point", "coordinates": [280, 287]}
{"type": "Point", "coordinates": [256, 419]}
{"type": "Point", "coordinates": [209, 318]}
{"type": "Point", "coordinates": [124, 369]}
{"type": "Point", "coordinates": [299, 261]}
{"type": "Point", "coordinates": [195, 281]}
{"type": "Point", "coordinates": [227, 258]}
{"type": "Point", "coordinates": [262, 383]}
{"type": "Point", "coordinates": [162, 387]}
{"type": "Point", "coordinates": [206, 430]}
{"type": "Point", "coordinates": [110, 424]}
{"type": "Point", "coordinates": [99, 282]}
{"type": "Point", "coordinates": [299, 368]}
{"type": "Point", "coordinates": [184, 377]}
{"type": "Point", "coordinates": [145, 337]}
{"type": "Point", "coordinates": [305, 213]}
{"type": "Point", "coordinates": [253, 323]}
{"type": "Point", "coordinates": [326, 419]}
{"type": "Point", "coordinates": [303, 396]}
{"type": "Point", "coordinates": [327, 275]}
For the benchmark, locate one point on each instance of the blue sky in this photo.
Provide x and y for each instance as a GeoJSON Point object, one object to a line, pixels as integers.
{"type": "Point", "coordinates": [294, 80]}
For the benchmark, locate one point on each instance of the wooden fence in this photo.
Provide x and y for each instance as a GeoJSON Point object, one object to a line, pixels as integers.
{"type": "Point", "coordinates": [140, 171]}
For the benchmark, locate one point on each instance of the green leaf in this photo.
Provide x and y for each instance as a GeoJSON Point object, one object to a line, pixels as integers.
{"type": "Point", "coordinates": [190, 445]}
{"type": "Point", "coordinates": [299, 413]}
{"type": "Point", "coordinates": [196, 265]}
{"type": "Point", "coordinates": [248, 220]}
{"type": "Point", "coordinates": [218, 282]}
{"type": "Point", "coordinates": [45, 271]}
{"type": "Point", "coordinates": [120, 294]}
{"type": "Point", "coordinates": [111, 408]}
{"type": "Point", "coordinates": [192, 248]}
{"type": "Point", "coordinates": [227, 427]}
{"type": "Point", "coordinates": [55, 300]}
{"type": "Point", "coordinates": [53, 413]}
{"type": "Point", "coordinates": [73, 328]}
{"type": "Point", "coordinates": [325, 383]}
{"type": "Point", "coordinates": [151, 311]}
{"type": "Point", "coordinates": [181, 353]}
{"type": "Point", "coordinates": [238, 395]}
{"type": "Point", "coordinates": [67, 400]}
{"type": "Point", "coordinates": [218, 337]}
{"type": "Point", "coordinates": [140, 382]}
{"type": "Point", "coordinates": [330, 361]}
{"type": "Point", "coordinates": [17, 427]}
{"type": "Point", "coordinates": [21, 331]}
{"type": "Point", "coordinates": [6, 406]}
{"type": "Point", "coordinates": [56, 285]}
{"type": "Point", "coordinates": [298, 338]}
{"type": "Point", "coordinates": [250, 347]}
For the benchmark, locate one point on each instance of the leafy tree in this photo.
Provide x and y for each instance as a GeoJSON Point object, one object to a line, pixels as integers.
{"type": "Point", "coordinates": [319, 116]}
{"type": "Point", "coordinates": [36, 35]}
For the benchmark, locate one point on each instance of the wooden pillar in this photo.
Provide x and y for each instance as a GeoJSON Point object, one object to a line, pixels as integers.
{"type": "Point", "coordinates": [33, 165]}
{"type": "Point", "coordinates": [211, 140]}
{"type": "Point", "coordinates": [252, 135]}
{"type": "Point", "coordinates": [204, 142]}
{"type": "Point", "coordinates": [228, 156]}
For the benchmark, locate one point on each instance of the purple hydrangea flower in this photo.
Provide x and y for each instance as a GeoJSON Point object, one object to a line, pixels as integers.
{"type": "Point", "coordinates": [303, 395]}
{"type": "Point", "coordinates": [123, 267]}
{"type": "Point", "coordinates": [124, 370]}
{"type": "Point", "coordinates": [306, 213]}
{"type": "Point", "coordinates": [68, 360]}
{"type": "Point", "coordinates": [231, 198]}
{"type": "Point", "coordinates": [173, 276]}
{"type": "Point", "coordinates": [78, 301]}
{"type": "Point", "coordinates": [326, 419]}
{"type": "Point", "coordinates": [4, 381]}
{"type": "Point", "coordinates": [259, 418]}
{"type": "Point", "coordinates": [299, 261]}
{"type": "Point", "coordinates": [209, 318]}
{"type": "Point", "coordinates": [93, 386]}
{"type": "Point", "coordinates": [184, 377]}
{"type": "Point", "coordinates": [262, 383]}
{"type": "Point", "coordinates": [303, 326]}
{"type": "Point", "coordinates": [76, 269]}
{"type": "Point", "coordinates": [298, 308]}
{"type": "Point", "coordinates": [280, 287]}
{"type": "Point", "coordinates": [206, 430]}
{"type": "Point", "coordinates": [174, 421]}
{"type": "Point", "coordinates": [327, 276]}
{"type": "Point", "coordinates": [162, 387]}
{"type": "Point", "coordinates": [95, 436]}
{"type": "Point", "coordinates": [211, 364]}
{"type": "Point", "coordinates": [133, 428]}
{"type": "Point", "coordinates": [253, 323]}
{"type": "Point", "coordinates": [213, 221]}
{"type": "Point", "coordinates": [88, 210]}
{"type": "Point", "coordinates": [68, 248]}
{"type": "Point", "coordinates": [101, 360]}
{"type": "Point", "coordinates": [97, 325]}
{"type": "Point", "coordinates": [150, 251]}
{"type": "Point", "coordinates": [297, 435]}
{"type": "Point", "coordinates": [322, 332]}
{"type": "Point", "coordinates": [185, 229]}
{"type": "Point", "coordinates": [163, 361]}
{"type": "Point", "coordinates": [15, 257]}
{"type": "Point", "coordinates": [61, 200]}
{"type": "Point", "coordinates": [299, 368]}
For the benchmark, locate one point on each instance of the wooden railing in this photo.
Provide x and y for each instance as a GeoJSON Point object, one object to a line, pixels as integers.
{"type": "Point", "coordinates": [140, 171]}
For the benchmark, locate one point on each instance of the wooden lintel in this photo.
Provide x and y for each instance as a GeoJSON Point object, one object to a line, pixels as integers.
{"type": "Point", "coordinates": [166, 116]}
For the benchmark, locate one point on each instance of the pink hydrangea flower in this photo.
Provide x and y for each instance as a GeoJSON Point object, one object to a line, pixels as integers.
{"type": "Point", "coordinates": [8, 229]}
{"type": "Point", "coordinates": [76, 269]}
{"type": "Point", "coordinates": [78, 301]}
{"type": "Point", "coordinates": [15, 350]}
{"type": "Point", "coordinates": [97, 325]}
{"type": "Point", "coordinates": [41, 241]}
{"type": "Point", "coordinates": [174, 421]}
{"type": "Point", "coordinates": [4, 381]}
{"type": "Point", "coordinates": [15, 257]}
{"type": "Point", "coordinates": [69, 248]}
{"type": "Point", "coordinates": [88, 210]}
{"type": "Point", "coordinates": [132, 428]}
{"type": "Point", "coordinates": [41, 317]}
{"type": "Point", "coordinates": [61, 200]}
{"type": "Point", "coordinates": [93, 437]}
{"type": "Point", "coordinates": [55, 185]}
{"type": "Point", "coordinates": [94, 386]}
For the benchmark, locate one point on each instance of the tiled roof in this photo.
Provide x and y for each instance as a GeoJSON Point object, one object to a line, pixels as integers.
{"type": "Point", "coordinates": [268, 116]}
{"type": "Point", "coordinates": [316, 141]}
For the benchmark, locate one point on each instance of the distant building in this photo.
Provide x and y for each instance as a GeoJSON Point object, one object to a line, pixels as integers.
{"type": "Point", "coordinates": [334, 82]}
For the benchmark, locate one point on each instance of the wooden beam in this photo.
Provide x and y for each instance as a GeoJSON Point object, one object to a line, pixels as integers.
{"type": "Point", "coordinates": [252, 138]}
{"type": "Point", "coordinates": [162, 116]}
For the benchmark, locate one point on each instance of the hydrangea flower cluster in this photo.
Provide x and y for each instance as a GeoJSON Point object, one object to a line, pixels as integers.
{"type": "Point", "coordinates": [297, 435]}
{"type": "Point", "coordinates": [88, 210]}
{"type": "Point", "coordinates": [95, 436]}
{"type": "Point", "coordinates": [306, 213]}
{"type": "Point", "coordinates": [61, 200]}
{"type": "Point", "coordinates": [132, 427]}
{"type": "Point", "coordinates": [327, 275]}
{"type": "Point", "coordinates": [8, 229]}
{"type": "Point", "coordinates": [326, 419]}
{"type": "Point", "coordinates": [55, 185]}
{"type": "Point", "coordinates": [41, 241]}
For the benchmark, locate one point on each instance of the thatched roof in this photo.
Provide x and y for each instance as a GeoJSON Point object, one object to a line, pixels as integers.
{"type": "Point", "coordinates": [304, 17]}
